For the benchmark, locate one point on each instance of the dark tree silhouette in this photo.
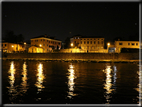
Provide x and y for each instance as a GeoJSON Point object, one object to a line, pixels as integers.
{"type": "Point", "coordinates": [67, 43]}
{"type": "Point", "coordinates": [11, 37]}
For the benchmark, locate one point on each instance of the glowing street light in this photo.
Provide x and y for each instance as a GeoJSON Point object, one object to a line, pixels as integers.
{"type": "Point", "coordinates": [71, 44]}
{"type": "Point", "coordinates": [108, 44]}
{"type": "Point", "coordinates": [12, 46]}
{"type": "Point", "coordinates": [24, 43]}
{"type": "Point", "coordinates": [40, 45]}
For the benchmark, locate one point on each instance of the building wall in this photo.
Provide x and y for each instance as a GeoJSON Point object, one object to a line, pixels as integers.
{"type": "Point", "coordinates": [11, 47]}
{"type": "Point", "coordinates": [46, 43]}
{"type": "Point", "coordinates": [92, 44]}
{"type": "Point", "coordinates": [126, 44]}
{"type": "Point", "coordinates": [34, 49]}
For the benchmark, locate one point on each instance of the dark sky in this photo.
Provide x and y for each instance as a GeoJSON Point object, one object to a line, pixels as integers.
{"type": "Point", "coordinates": [65, 19]}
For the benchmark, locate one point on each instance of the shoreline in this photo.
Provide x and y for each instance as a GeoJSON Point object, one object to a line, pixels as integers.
{"type": "Point", "coordinates": [75, 60]}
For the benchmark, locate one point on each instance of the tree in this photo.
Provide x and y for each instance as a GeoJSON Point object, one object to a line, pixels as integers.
{"type": "Point", "coordinates": [11, 37]}
{"type": "Point", "coordinates": [67, 43]}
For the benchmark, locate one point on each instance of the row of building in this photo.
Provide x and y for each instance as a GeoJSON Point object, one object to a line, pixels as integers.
{"type": "Point", "coordinates": [45, 44]}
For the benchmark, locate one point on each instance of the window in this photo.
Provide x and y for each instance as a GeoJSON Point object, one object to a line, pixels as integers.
{"type": "Point", "coordinates": [90, 42]}
{"type": "Point", "coordinates": [94, 39]}
{"type": "Point", "coordinates": [43, 44]}
{"type": "Point", "coordinates": [102, 42]}
{"type": "Point", "coordinates": [137, 44]}
{"type": "Point", "coordinates": [133, 44]}
{"type": "Point", "coordinates": [84, 42]}
{"type": "Point", "coordinates": [87, 42]}
{"type": "Point", "coordinates": [75, 38]}
{"type": "Point", "coordinates": [90, 39]}
{"type": "Point", "coordinates": [120, 44]}
{"type": "Point", "coordinates": [98, 42]}
{"type": "Point", "coordinates": [128, 43]}
{"type": "Point", "coordinates": [94, 42]}
{"type": "Point", "coordinates": [47, 44]}
{"type": "Point", "coordinates": [81, 39]}
{"type": "Point", "coordinates": [87, 39]}
{"type": "Point", "coordinates": [75, 42]}
{"type": "Point", "coordinates": [5, 44]}
{"type": "Point", "coordinates": [41, 39]}
{"type": "Point", "coordinates": [78, 37]}
{"type": "Point", "coordinates": [59, 43]}
{"type": "Point", "coordinates": [2, 44]}
{"type": "Point", "coordinates": [47, 40]}
{"type": "Point", "coordinates": [84, 39]}
{"type": "Point", "coordinates": [81, 42]}
{"type": "Point", "coordinates": [102, 39]}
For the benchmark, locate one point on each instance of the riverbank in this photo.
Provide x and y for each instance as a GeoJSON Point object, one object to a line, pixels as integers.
{"type": "Point", "coordinates": [94, 57]}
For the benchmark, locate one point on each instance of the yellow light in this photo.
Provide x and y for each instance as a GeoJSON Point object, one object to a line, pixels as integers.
{"type": "Point", "coordinates": [12, 46]}
{"type": "Point", "coordinates": [71, 44]}
{"type": "Point", "coordinates": [24, 43]}
{"type": "Point", "coordinates": [108, 44]}
{"type": "Point", "coordinates": [40, 45]}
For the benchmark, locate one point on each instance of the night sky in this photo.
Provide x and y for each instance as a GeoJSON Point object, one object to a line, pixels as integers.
{"type": "Point", "coordinates": [65, 19]}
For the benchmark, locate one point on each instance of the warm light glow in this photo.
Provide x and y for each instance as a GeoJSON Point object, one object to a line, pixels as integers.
{"type": "Point", "coordinates": [108, 44]}
{"type": "Point", "coordinates": [40, 45]}
{"type": "Point", "coordinates": [12, 89]}
{"type": "Point", "coordinates": [71, 44]}
{"type": "Point", "coordinates": [40, 77]}
{"type": "Point", "coordinates": [24, 43]}
{"type": "Point", "coordinates": [24, 78]}
{"type": "Point", "coordinates": [108, 84]}
{"type": "Point", "coordinates": [71, 82]}
{"type": "Point", "coordinates": [12, 46]}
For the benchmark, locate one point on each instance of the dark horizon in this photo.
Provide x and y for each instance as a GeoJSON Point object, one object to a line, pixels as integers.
{"type": "Point", "coordinates": [66, 19]}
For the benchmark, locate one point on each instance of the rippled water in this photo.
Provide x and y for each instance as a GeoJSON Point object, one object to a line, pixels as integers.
{"type": "Point", "coordinates": [43, 82]}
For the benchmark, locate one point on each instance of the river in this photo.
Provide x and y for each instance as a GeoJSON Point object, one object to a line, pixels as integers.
{"type": "Point", "coordinates": [50, 82]}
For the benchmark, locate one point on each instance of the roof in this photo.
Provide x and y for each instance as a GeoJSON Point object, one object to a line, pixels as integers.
{"type": "Point", "coordinates": [87, 36]}
{"type": "Point", "coordinates": [45, 36]}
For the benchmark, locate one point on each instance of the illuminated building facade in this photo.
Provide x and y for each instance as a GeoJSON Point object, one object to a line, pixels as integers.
{"type": "Point", "coordinates": [126, 44]}
{"type": "Point", "coordinates": [89, 43]}
{"type": "Point", "coordinates": [46, 43]}
{"type": "Point", "coordinates": [11, 47]}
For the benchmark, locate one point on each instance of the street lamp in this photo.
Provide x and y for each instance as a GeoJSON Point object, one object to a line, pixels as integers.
{"type": "Point", "coordinates": [40, 45]}
{"type": "Point", "coordinates": [108, 44]}
{"type": "Point", "coordinates": [71, 44]}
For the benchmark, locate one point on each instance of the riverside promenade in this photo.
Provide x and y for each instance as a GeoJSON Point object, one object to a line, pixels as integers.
{"type": "Point", "coordinates": [96, 57]}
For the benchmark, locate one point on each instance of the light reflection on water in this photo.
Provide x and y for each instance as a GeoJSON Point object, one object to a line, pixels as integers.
{"type": "Point", "coordinates": [40, 77]}
{"type": "Point", "coordinates": [111, 76]}
{"type": "Point", "coordinates": [110, 86]}
{"type": "Point", "coordinates": [71, 77]}
{"type": "Point", "coordinates": [12, 89]}
{"type": "Point", "coordinates": [24, 85]}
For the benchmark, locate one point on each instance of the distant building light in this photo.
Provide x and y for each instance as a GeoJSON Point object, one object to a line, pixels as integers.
{"type": "Point", "coordinates": [24, 43]}
{"type": "Point", "coordinates": [40, 45]}
{"type": "Point", "coordinates": [12, 46]}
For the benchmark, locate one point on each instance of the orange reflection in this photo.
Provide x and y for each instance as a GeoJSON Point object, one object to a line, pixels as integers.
{"type": "Point", "coordinates": [24, 78]}
{"type": "Point", "coordinates": [12, 90]}
{"type": "Point", "coordinates": [40, 77]}
{"type": "Point", "coordinates": [108, 84]}
{"type": "Point", "coordinates": [71, 82]}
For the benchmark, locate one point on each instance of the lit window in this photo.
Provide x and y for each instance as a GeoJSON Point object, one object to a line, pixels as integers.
{"type": "Point", "coordinates": [78, 37]}
{"type": "Point", "coordinates": [75, 38]}
{"type": "Point", "coordinates": [133, 44]}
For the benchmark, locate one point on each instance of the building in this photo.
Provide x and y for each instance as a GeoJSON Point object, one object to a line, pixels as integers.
{"type": "Point", "coordinates": [126, 44]}
{"type": "Point", "coordinates": [35, 49]}
{"type": "Point", "coordinates": [11, 47]}
{"type": "Point", "coordinates": [89, 44]}
{"type": "Point", "coordinates": [45, 42]}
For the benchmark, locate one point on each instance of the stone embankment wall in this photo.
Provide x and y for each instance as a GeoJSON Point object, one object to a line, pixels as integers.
{"type": "Point", "coordinates": [74, 56]}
